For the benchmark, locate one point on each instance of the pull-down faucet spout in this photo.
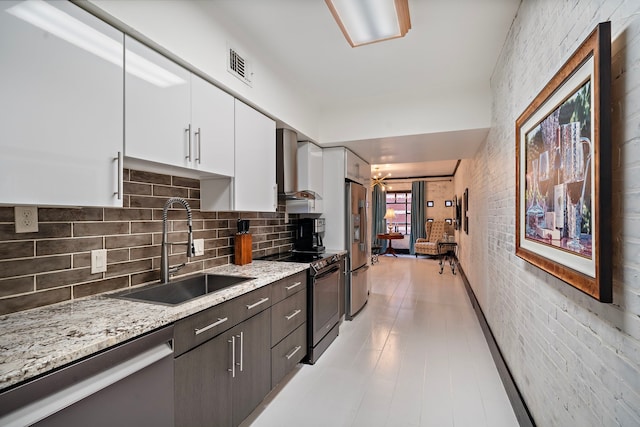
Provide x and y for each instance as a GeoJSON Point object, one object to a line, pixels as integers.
{"type": "Point", "coordinates": [165, 269]}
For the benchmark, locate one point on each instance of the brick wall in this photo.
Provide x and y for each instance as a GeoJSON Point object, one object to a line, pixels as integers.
{"type": "Point", "coordinates": [438, 192]}
{"type": "Point", "coordinates": [576, 361]}
{"type": "Point", "coordinates": [53, 264]}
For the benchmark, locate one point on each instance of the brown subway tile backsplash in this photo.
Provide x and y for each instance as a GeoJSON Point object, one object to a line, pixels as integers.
{"type": "Point", "coordinates": [67, 277]}
{"type": "Point", "coordinates": [70, 214]}
{"type": "Point", "coordinates": [22, 267]}
{"type": "Point", "coordinates": [37, 299]}
{"type": "Point", "coordinates": [100, 228]}
{"type": "Point", "coordinates": [10, 250]}
{"type": "Point", "coordinates": [53, 264]}
{"type": "Point", "coordinates": [100, 286]}
{"type": "Point", "coordinates": [149, 177]}
{"type": "Point", "coordinates": [66, 246]}
{"type": "Point", "coordinates": [15, 286]}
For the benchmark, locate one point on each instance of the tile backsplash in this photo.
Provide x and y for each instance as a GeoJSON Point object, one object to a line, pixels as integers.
{"type": "Point", "coordinates": [54, 264]}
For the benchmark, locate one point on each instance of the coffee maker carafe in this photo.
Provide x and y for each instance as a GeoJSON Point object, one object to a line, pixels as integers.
{"type": "Point", "coordinates": [309, 233]}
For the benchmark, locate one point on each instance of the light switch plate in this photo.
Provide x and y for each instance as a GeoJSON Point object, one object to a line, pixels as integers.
{"type": "Point", "coordinates": [26, 218]}
{"type": "Point", "coordinates": [198, 244]}
{"type": "Point", "coordinates": [98, 261]}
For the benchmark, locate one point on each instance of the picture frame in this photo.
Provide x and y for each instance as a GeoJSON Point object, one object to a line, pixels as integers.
{"type": "Point", "coordinates": [563, 171]}
{"type": "Point", "coordinates": [429, 203]}
{"type": "Point", "coordinates": [448, 203]}
{"type": "Point", "coordinates": [466, 210]}
{"type": "Point", "coordinates": [457, 204]}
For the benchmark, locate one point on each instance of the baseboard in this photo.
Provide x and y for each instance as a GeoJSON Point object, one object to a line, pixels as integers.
{"type": "Point", "coordinates": [517, 403]}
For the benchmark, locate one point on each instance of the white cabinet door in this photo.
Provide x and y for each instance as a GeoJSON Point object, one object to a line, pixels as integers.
{"type": "Point", "coordinates": [356, 169]}
{"type": "Point", "coordinates": [158, 107]}
{"type": "Point", "coordinates": [212, 119]}
{"type": "Point", "coordinates": [255, 175]}
{"type": "Point", "coordinates": [61, 106]}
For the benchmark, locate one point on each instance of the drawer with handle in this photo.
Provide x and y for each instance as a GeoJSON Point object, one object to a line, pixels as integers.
{"type": "Point", "coordinates": [288, 286]}
{"type": "Point", "coordinates": [200, 327]}
{"type": "Point", "coordinates": [287, 315]}
{"type": "Point", "coordinates": [286, 355]}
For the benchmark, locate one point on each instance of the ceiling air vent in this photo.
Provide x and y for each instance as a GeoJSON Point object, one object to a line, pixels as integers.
{"type": "Point", "coordinates": [239, 66]}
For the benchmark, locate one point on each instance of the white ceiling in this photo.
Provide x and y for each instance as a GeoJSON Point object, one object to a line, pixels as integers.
{"type": "Point", "coordinates": [452, 47]}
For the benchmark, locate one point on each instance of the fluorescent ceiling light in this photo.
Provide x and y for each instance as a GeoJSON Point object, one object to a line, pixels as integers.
{"type": "Point", "coordinates": [52, 20]}
{"type": "Point", "coordinates": [369, 21]}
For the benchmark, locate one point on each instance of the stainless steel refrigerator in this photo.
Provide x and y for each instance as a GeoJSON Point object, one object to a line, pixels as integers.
{"type": "Point", "coordinates": [357, 268]}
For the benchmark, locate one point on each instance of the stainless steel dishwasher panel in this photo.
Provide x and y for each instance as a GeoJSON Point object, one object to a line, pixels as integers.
{"type": "Point", "coordinates": [128, 385]}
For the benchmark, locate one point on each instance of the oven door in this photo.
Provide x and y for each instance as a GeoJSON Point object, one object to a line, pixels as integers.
{"type": "Point", "coordinates": [326, 301]}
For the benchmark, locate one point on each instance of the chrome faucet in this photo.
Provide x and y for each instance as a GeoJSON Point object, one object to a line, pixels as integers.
{"type": "Point", "coordinates": [165, 269]}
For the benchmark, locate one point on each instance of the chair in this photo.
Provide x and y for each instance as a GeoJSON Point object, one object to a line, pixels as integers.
{"type": "Point", "coordinates": [435, 231]}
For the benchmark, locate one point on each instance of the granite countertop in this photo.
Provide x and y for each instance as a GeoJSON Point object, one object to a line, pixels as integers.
{"type": "Point", "coordinates": [39, 340]}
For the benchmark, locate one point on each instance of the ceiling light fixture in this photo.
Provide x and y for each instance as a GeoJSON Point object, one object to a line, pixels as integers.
{"type": "Point", "coordinates": [370, 21]}
{"type": "Point", "coordinates": [378, 179]}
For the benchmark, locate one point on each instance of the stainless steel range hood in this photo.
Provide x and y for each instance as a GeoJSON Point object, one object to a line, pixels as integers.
{"type": "Point", "coordinates": [287, 167]}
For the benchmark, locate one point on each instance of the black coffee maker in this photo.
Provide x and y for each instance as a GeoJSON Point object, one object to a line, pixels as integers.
{"type": "Point", "coordinates": [309, 233]}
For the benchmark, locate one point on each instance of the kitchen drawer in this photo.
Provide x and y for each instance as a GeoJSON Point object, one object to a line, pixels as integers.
{"type": "Point", "coordinates": [287, 315]}
{"type": "Point", "coordinates": [289, 286]}
{"type": "Point", "coordinates": [288, 353]}
{"type": "Point", "coordinates": [200, 327]}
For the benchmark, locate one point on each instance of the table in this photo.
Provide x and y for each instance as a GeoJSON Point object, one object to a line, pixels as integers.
{"type": "Point", "coordinates": [390, 237]}
{"type": "Point", "coordinates": [448, 251]}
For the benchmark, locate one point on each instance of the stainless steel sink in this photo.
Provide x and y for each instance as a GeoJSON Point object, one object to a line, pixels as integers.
{"type": "Point", "coordinates": [182, 290]}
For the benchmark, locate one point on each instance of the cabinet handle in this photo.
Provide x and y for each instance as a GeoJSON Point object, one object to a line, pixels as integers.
{"type": "Point", "coordinates": [295, 285]}
{"type": "Point", "coordinates": [188, 131]}
{"type": "Point", "coordinates": [119, 185]}
{"type": "Point", "coordinates": [295, 350]}
{"type": "Point", "coordinates": [213, 325]}
{"type": "Point", "coordinates": [292, 315]}
{"type": "Point", "coordinates": [275, 198]}
{"type": "Point", "coordinates": [241, 364]}
{"type": "Point", "coordinates": [262, 301]}
{"type": "Point", "coordinates": [232, 341]}
{"type": "Point", "coordinates": [199, 142]}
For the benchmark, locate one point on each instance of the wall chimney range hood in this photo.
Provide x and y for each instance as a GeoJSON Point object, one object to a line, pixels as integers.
{"type": "Point", "coordinates": [287, 167]}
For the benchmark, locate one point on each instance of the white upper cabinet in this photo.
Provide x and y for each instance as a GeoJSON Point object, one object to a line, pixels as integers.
{"type": "Point", "coordinates": [212, 119]}
{"type": "Point", "coordinates": [158, 107]}
{"type": "Point", "coordinates": [254, 186]}
{"type": "Point", "coordinates": [174, 117]}
{"type": "Point", "coordinates": [310, 177]}
{"type": "Point", "coordinates": [357, 169]}
{"type": "Point", "coordinates": [61, 106]}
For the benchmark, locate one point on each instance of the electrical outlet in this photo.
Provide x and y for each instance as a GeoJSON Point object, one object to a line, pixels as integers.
{"type": "Point", "coordinates": [26, 219]}
{"type": "Point", "coordinates": [98, 261]}
{"type": "Point", "coordinates": [198, 244]}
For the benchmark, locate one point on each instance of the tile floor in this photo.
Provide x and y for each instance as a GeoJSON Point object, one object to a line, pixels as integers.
{"type": "Point", "coordinates": [415, 356]}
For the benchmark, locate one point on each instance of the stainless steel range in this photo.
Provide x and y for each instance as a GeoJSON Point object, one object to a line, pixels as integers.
{"type": "Point", "coordinates": [323, 304]}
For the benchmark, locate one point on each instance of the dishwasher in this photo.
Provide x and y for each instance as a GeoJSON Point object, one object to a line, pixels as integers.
{"type": "Point", "coordinates": [127, 385]}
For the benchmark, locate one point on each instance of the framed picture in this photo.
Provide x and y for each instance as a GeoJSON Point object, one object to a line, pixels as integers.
{"type": "Point", "coordinates": [457, 224]}
{"type": "Point", "coordinates": [563, 171]}
{"type": "Point", "coordinates": [466, 210]}
{"type": "Point", "coordinates": [448, 203]}
{"type": "Point", "coordinates": [429, 203]}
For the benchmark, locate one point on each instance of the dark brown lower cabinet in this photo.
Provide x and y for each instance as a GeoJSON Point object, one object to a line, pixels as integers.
{"type": "Point", "coordinates": [220, 382]}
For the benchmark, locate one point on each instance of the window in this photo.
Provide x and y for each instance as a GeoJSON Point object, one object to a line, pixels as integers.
{"type": "Point", "coordinates": [400, 202]}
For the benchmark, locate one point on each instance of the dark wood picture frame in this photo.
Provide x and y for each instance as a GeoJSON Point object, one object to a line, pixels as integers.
{"type": "Point", "coordinates": [563, 171]}
{"type": "Point", "coordinates": [466, 210]}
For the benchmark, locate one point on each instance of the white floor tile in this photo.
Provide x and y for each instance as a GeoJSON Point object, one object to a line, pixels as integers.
{"type": "Point", "coordinates": [414, 356]}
